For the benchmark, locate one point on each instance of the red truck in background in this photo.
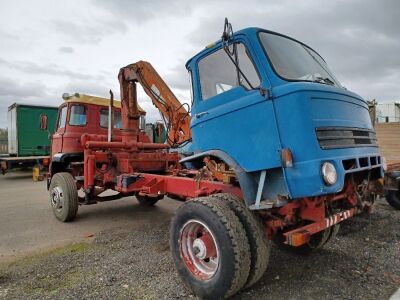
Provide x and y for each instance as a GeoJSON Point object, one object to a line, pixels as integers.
{"type": "Point", "coordinates": [79, 114]}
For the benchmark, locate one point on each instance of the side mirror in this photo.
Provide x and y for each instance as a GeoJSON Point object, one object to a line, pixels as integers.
{"type": "Point", "coordinates": [43, 122]}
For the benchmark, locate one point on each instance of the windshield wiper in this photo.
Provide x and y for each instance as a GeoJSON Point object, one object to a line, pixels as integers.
{"type": "Point", "coordinates": [324, 80]}
{"type": "Point", "coordinates": [238, 70]}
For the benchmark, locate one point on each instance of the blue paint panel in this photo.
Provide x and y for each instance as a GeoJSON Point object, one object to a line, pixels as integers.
{"type": "Point", "coordinates": [240, 123]}
{"type": "Point", "coordinates": [300, 109]}
{"type": "Point", "coordinates": [335, 111]}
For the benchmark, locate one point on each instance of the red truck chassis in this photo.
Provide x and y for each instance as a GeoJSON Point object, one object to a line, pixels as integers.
{"type": "Point", "coordinates": [133, 160]}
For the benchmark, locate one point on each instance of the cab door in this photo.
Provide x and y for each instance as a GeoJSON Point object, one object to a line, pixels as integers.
{"type": "Point", "coordinates": [233, 113]}
{"type": "Point", "coordinates": [57, 138]}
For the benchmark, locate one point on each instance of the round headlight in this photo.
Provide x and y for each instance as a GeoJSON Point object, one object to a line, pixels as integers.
{"type": "Point", "coordinates": [329, 174]}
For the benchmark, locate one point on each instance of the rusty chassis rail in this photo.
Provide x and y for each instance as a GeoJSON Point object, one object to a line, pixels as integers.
{"type": "Point", "coordinates": [300, 236]}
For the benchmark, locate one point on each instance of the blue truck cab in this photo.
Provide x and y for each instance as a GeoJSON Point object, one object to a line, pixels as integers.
{"type": "Point", "coordinates": [270, 106]}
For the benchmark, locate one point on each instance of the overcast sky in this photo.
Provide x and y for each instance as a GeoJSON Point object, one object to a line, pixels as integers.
{"type": "Point", "coordinates": [51, 47]}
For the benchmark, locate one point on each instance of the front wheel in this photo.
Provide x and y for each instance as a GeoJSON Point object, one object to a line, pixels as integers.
{"type": "Point", "coordinates": [64, 196]}
{"type": "Point", "coordinates": [260, 246]}
{"type": "Point", "coordinates": [393, 198]}
{"type": "Point", "coordinates": [210, 248]}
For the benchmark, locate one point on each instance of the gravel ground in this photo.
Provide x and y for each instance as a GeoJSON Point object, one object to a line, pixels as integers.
{"type": "Point", "coordinates": [362, 262]}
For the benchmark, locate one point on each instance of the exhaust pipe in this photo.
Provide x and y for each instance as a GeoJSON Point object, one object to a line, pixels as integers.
{"type": "Point", "coordinates": [110, 116]}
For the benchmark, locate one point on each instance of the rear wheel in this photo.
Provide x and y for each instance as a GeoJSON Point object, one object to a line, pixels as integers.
{"type": "Point", "coordinates": [260, 246]}
{"type": "Point", "coordinates": [210, 248]}
{"type": "Point", "coordinates": [393, 198]}
{"type": "Point", "coordinates": [64, 196]}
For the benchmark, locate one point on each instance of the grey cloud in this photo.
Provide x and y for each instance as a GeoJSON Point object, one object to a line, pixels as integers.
{"type": "Point", "coordinates": [143, 11]}
{"type": "Point", "coordinates": [92, 87]}
{"type": "Point", "coordinates": [385, 89]}
{"type": "Point", "coordinates": [7, 36]}
{"type": "Point", "coordinates": [16, 90]}
{"type": "Point", "coordinates": [66, 49]}
{"type": "Point", "coordinates": [178, 78]}
{"type": "Point", "coordinates": [50, 69]}
{"type": "Point", "coordinates": [90, 32]}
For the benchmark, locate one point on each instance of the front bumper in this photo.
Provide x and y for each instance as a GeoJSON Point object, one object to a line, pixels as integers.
{"type": "Point", "coordinates": [305, 178]}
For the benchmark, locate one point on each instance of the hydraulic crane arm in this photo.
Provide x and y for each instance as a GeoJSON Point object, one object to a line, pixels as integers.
{"type": "Point", "coordinates": [175, 115]}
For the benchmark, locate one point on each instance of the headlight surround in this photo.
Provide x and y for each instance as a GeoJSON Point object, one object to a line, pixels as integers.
{"type": "Point", "coordinates": [329, 173]}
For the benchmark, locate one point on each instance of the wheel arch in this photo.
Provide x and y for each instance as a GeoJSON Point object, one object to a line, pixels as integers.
{"type": "Point", "coordinates": [60, 162]}
{"type": "Point", "coordinates": [246, 181]}
{"type": "Point", "coordinates": [274, 186]}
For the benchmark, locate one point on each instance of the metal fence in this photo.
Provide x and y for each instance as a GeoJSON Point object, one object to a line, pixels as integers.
{"type": "Point", "coordinates": [3, 145]}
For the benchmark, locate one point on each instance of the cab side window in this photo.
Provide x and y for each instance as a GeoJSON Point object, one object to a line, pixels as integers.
{"type": "Point", "coordinates": [62, 117]}
{"type": "Point", "coordinates": [104, 119]}
{"type": "Point", "coordinates": [219, 74]}
{"type": "Point", "coordinates": [77, 115]}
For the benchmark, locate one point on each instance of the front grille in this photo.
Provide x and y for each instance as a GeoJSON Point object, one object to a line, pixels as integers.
{"type": "Point", "coordinates": [345, 137]}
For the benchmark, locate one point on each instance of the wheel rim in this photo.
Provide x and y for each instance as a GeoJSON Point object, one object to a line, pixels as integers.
{"type": "Point", "coordinates": [199, 249]}
{"type": "Point", "coordinates": [57, 198]}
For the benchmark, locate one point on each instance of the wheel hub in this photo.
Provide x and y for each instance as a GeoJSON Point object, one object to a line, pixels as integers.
{"type": "Point", "coordinates": [204, 246]}
{"type": "Point", "coordinates": [199, 249]}
{"type": "Point", "coordinates": [57, 198]}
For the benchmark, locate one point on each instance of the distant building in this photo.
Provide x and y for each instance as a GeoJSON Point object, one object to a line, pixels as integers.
{"type": "Point", "coordinates": [388, 112]}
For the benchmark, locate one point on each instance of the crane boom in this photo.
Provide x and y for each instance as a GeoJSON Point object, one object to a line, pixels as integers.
{"type": "Point", "coordinates": [174, 113]}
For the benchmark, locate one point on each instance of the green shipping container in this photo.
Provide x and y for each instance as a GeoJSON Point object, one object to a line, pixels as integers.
{"type": "Point", "coordinates": [27, 135]}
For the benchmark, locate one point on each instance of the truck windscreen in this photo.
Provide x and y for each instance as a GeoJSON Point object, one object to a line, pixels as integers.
{"type": "Point", "coordinates": [292, 60]}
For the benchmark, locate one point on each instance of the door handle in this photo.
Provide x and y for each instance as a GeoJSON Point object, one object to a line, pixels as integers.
{"type": "Point", "coordinates": [200, 114]}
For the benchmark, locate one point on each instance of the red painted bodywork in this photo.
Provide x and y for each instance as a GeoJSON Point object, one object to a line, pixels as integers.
{"type": "Point", "coordinates": [68, 139]}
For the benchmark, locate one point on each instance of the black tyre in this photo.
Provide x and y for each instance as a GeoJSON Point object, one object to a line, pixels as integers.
{"type": "Point", "coordinates": [334, 231]}
{"type": "Point", "coordinates": [146, 201]}
{"type": "Point", "coordinates": [260, 245]}
{"type": "Point", "coordinates": [393, 198]}
{"type": "Point", "coordinates": [64, 196]}
{"type": "Point", "coordinates": [210, 248]}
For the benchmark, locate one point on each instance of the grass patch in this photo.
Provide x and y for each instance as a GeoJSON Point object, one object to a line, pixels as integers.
{"type": "Point", "coordinates": [42, 274]}
{"type": "Point", "coordinates": [53, 284]}
{"type": "Point", "coordinates": [32, 259]}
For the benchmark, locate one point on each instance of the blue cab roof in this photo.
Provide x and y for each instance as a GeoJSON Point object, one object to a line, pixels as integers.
{"type": "Point", "coordinates": [211, 46]}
